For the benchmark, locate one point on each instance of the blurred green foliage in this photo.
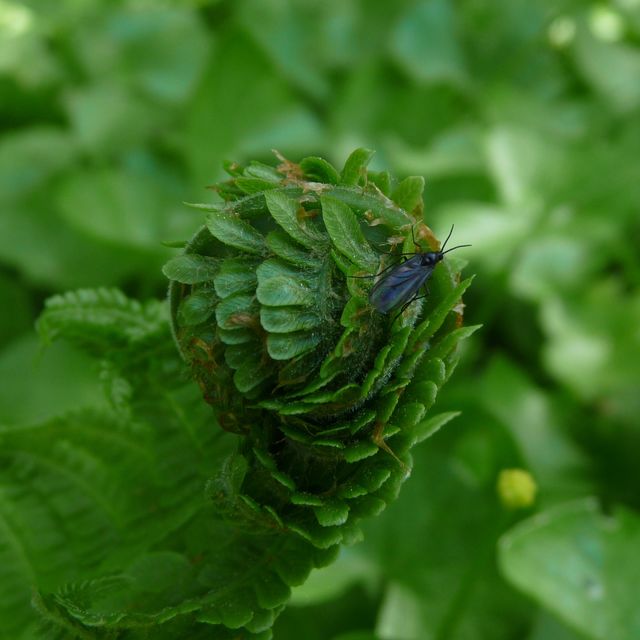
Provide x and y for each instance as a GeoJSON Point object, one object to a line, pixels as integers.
{"type": "Point", "coordinates": [524, 119]}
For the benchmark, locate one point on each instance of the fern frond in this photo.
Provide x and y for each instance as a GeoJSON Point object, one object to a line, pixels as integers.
{"type": "Point", "coordinates": [101, 319]}
{"type": "Point", "coordinates": [173, 525]}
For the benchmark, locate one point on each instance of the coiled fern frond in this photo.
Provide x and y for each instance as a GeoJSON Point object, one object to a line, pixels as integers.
{"type": "Point", "coordinates": [269, 307]}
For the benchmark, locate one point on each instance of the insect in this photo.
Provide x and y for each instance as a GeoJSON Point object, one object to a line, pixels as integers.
{"type": "Point", "coordinates": [402, 282]}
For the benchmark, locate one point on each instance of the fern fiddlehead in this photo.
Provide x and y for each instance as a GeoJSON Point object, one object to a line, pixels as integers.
{"type": "Point", "coordinates": [269, 309]}
{"type": "Point", "coordinates": [270, 313]}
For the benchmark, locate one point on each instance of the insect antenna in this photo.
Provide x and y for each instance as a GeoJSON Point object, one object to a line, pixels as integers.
{"type": "Point", "coordinates": [444, 244]}
{"type": "Point", "coordinates": [454, 248]}
{"type": "Point", "coordinates": [447, 240]}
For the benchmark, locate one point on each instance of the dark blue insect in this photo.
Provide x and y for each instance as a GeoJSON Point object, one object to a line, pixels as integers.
{"type": "Point", "coordinates": [403, 281]}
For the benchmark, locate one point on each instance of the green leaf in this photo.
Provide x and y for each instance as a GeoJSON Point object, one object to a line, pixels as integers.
{"type": "Point", "coordinates": [285, 212]}
{"type": "Point", "coordinates": [534, 420]}
{"type": "Point", "coordinates": [248, 376]}
{"type": "Point", "coordinates": [382, 180]}
{"type": "Point", "coordinates": [346, 234]}
{"type": "Point", "coordinates": [159, 571]}
{"type": "Point", "coordinates": [234, 232]}
{"type": "Point", "coordinates": [591, 346]}
{"type": "Point", "coordinates": [425, 43]}
{"type": "Point", "coordinates": [190, 268]}
{"type": "Point", "coordinates": [129, 121]}
{"type": "Point", "coordinates": [438, 315]}
{"type": "Point", "coordinates": [579, 564]}
{"type": "Point", "coordinates": [352, 310]}
{"type": "Point", "coordinates": [196, 308]}
{"type": "Point", "coordinates": [332, 513]}
{"type": "Point", "coordinates": [610, 67]}
{"type": "Point", "coordinates": [100, 317]}
{"type": "Point", "coordinates": [400, 614]}
{"type": "Point", "coordinates": [369, 200]}
{"type": "Point", "coordinates": [319, 170]}
{"type": "Point", "coordinates": [86, 461]}
{"type": "Point", "coordinates": [127, 208]}
{"type": "Point", "coordinates": [161, 54]}
{"type": "Point", "coordinates": [282, 32]}
{"type": "Point", "coordinates": [287, 319]}
{"type": "Point", "coordinates": [284, 346]}
{"type": "Point", "coordinates": [238, 354]}
{"type": "Point", "coordinates": [39, 243]}
{"type": "Point", "coordinates": [238, 335]}
{"type": "Point", "coordinates": [282, 291]}
{"type": "Point", "coordinates": [285, 247]}
{"type": "Point", "coordinates": [427, 428]}
{"type": "Point", "coordinates": [236, 79]}
{"type": "Point", "coordinates": [461, 518]}
{"type": "Point", "coordinates": [254, 185]}
{"type": "Point", "coordinates": [360, 451]}
{"type": "Point", "coordinates": [33, 389]}
{"type": "Point", "coordinates": [206, 206]}
{"type": "Point", "coordinates": [408, 194]}
{"type": "Point", "coordinates": [355, 168]}
{"type": "Point", "coordinates": [274, 267]}
{"type": "Point", "coordinates": [236, 275]}
{"type": "Point", "coordinates": [550, 265]}
{"type": "Point", "coordinates": [28, 157]}
{"type": "Point", "coordinates": [444, 346]}
{"type": "Point", "coordinates": [230, 311]}
{"type": "Point", "coordinates": [271, 591]}
{"type": "Point", "coordinates": [263, 171]}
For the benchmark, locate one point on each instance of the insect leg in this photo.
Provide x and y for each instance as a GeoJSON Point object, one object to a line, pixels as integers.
{"type": "Point", "coordinates": [406, 304]}
{"type": "Point", "coordinates": [391, 253]}
{"type": "Point", "coordinates": [410, 253]}
{"type": "Point", "coordinates": [380, 272]}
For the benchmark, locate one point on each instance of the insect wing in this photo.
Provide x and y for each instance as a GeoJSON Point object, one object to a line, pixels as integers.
{"type": "Point", "coordinates": [400, 285]}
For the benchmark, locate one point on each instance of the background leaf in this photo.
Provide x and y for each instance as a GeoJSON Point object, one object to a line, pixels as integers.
{"type": "Point", "coordinates": [521, 117]}
{"type": "Point", "coordinates": [570, 559]}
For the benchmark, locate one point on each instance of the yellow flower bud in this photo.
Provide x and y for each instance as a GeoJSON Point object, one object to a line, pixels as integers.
{"type": "Point", "coordinates": [516, 488]}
